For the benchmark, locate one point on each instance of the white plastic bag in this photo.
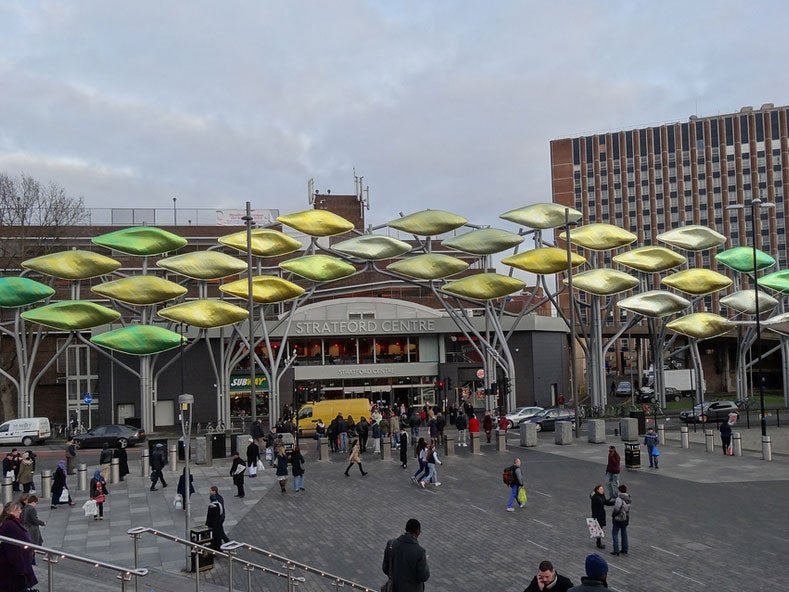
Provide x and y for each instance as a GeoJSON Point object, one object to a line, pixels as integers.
{"type": "Point", "coordinates": [261, 466]}
{"type": "Point", "coordinates": [252, 470]}
{"type": "Point", "coordinates": [63, 499]}
{"type": "Point", "coordinates": [179, 502]}
{"type": "Point", "coordinates": [90, 507]}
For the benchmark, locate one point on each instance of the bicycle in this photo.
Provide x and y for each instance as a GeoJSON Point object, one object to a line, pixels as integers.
{"type": "Point", "coordinates": [218, 429]}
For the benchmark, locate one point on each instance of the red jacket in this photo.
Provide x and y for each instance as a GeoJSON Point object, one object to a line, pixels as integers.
{"type": "Point", "coordinates": [503, 423]}
{"type": "Point", "coordinates": [613, 462]}
{"type": "Point", "coordinates": [473, 424]}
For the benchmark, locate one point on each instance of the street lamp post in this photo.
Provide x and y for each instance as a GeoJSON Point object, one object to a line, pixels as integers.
{"type": "Point", "coordinates": [571, 300]}
{"type": "Point", "coordinates": [251, 309]}
{"type": "Point", "coordinates": [175, 215]}
{"type": "Point", "coordinates": [756, 205]}
{"type": "Point", "coordinates": [185, 402]}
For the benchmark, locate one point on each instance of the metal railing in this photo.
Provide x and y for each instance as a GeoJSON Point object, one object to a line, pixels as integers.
{"type": "Point", "coordinates": [199, 550]}
{"type": "Point", "coordinates": [53, 557]}
{"type": "Point", "coordinates": [290, 565]}
{"type": "Point", "coordinates": [229, 551]}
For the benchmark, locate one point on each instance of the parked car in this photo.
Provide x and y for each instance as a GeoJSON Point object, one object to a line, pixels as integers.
{"type": "Point", "coordinates": [624, 388]}
{"type": "Point", "coordinates": [116, 436]}
{"type": "Point", "coordinates": [710, 411]}
{"type": "Point", "coordinates": [521, 414]}
{"type": "Point", "coordinates": [547, 418]}
{"type": "Point", "coordinates": [647, 394]}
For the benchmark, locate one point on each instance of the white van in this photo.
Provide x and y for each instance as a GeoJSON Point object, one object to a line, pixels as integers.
{"type": "Point", "coordinates": [31, 430]}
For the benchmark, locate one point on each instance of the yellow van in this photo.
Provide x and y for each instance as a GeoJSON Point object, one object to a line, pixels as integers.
{"type": "Point", "coordinates": [310, 413]}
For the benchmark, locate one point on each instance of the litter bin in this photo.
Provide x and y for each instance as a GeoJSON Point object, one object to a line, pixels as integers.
{"type": "Point", "coordinates": [641, 416]}
{"type": "Point", "coordinates": [632, 455]}
{"type": "Point", "coordinates": [218, 445]}
{"type": "Point", "coordinates": [201, 535]}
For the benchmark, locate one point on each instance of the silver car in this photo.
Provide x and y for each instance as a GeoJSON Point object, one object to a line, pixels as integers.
{"type": "Point", "coordinates": [521, 414]}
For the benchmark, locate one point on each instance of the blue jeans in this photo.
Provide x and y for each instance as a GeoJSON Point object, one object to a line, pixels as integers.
{"type": "Point", "coordinates": [396, 439]}
{"type": "Point", "coordinates": [615, 536]}
{"type": "Point", "coordinates": [343, 441]}
{"type": "Point", "coordinates": [612, 483]}
{"type": "Point", "coordinates": [432, 476]}
{"type": "Point", "coordinates": [513, 495]}
{"type": "Point", "coordinates": [422, 469]}
{"type": "Point", "coordinates": [298, 482]}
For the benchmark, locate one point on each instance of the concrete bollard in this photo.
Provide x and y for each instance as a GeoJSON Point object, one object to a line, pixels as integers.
{"type": "Point", "coordinates": [501, 440]}
{"type": "Point", "coordinates": [172, 448]}
{"type": "Point", "coordinates": [683, 435]}
{"type": "Point", "coordinates": [529, 434]}
{"type": "Point", "coordinates": [476, 442]}
{"type": "Point", "coordinates": [661, 434]}
{"type": "Point", "coordinates": [82, 477]}
{"type": "Point", "coordinates": [767, 450]}
{"type": "Point", "coordinates": [564, 433]}
{"type": "Point", "coordinates": [629, 429]}
{"type": "Point", "coordinates": [736, 443]}
{"type": "Point", "coordinates": [8, 489]}
{"type": "Point", "coordinates": [324, 449]}
{"type": "Point", "coordinates": [46, 482]}
{"type": "Point", "coordinates": [596, 430]}
{"type": "Point", "coordinates": [115, 470]}
{"type": "Point", "coordinates": [200, 451]}
{"type": "Point", "coordinates": [449, 445]}
{"type": "Point", "coordinates": [709, 440]}
{"type": "Point", "coordinates": [386, 448]}
{"type": "Point", "coordinates": [145, 463]}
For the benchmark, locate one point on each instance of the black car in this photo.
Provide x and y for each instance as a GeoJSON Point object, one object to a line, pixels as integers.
{"type": "Point", "coordinates": [647, 395]}
{"type": "Point", "coordinates": [547, 418]}
{"type": "Point", "coordinates": [116, 436]}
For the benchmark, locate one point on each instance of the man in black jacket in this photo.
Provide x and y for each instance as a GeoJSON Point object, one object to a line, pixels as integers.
{"type": "Point", "coordinates": [405, 561]}
{"type": "Point", "coordinates": [158, 462]}
{"type": "Point", "coordinates": [596, 575]}
{"type": "Point", "coordinates": [548, 579]}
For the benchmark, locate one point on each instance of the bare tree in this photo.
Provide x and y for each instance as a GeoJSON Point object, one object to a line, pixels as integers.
{"type": "Point", "coordinates": [33, 217]}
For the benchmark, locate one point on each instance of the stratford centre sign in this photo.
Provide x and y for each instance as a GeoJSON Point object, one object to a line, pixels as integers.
{"type": "Point", "coordinates": [365, 327]}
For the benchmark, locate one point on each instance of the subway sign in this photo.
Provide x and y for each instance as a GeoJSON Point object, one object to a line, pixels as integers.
{"type": "Point", "coordinates": [242, 383]}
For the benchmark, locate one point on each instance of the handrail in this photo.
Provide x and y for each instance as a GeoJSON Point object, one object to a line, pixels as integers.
{"type": "Point", "coordinates": [338, 581]}
{"type": "Point", "coordinates": [53, 556]}
{"type": "Point", "coordinates": [198, 549]}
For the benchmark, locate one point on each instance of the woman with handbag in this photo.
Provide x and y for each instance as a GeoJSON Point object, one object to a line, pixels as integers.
{"type": "Point", "coordinates": [98, 492]}
{"type": "Point", "coordinates": [253, 457]}
{"type": "Point", "coordinates": [59, 490]}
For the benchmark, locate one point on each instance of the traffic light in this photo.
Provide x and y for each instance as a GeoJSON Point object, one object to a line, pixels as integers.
{"type": "Point", "coordinates": [448, 382]}
{"type": "Point", "coordinates": [494, 389]}
{"type": "Point", "coordinates": [441, 384]}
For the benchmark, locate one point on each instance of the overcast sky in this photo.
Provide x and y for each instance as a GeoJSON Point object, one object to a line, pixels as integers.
{"type": "Point", "coordinates": [438, 104]}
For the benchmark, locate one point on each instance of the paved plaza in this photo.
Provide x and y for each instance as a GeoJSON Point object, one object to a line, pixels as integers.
{"type": "Point", "coordinates": [703, 521]}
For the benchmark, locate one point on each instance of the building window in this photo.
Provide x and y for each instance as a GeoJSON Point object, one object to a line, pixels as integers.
{"type": "Point", "coordinates": [744, 135]}
{"type": "Point", "coordinates": [685, 130]}
{"type": "Point", "coordinates": [729, 125]}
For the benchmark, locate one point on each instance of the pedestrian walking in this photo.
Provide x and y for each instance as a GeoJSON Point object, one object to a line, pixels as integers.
{"type": "Point", "coordinates": [123, 461]}
{"type": "Point", "coordinates": [651, 442]}
{"type": "Point", "coordinates": [620, 518]}
{"type": "Point", "coordinates": [181, 488]}
{"type": "Point", "coordinates": [363, 431]}
{"type": "Point", "coordinates": [353, 458]}
{"type": "Point", "coordinates": [26, 468]}
{"type": "Point", "coordinates": [405, 561]}
{"type": "Point", "coordinates": [504, 423]}
{"type": "Point", "coordinates": [516, 482]}
{"type": "Point", "coordinates": [414, 421]}
{"type": "Point", "coordinates": [105, 460]}
{"type": "Point", "coordinates": [376, 430]}
{"type": "Point", "coordinates": [394, 427]}
{"type": "Point", "coordinates": [31, 521]}
{"type": "Point", "coordinates": [158, 461]}
{"type": "Point", "coordinates": [725, 430]}
{"type": "Point", "coordinates": [403, 449]}
{"type": "Point", "coordinates": [98, 493]}
{"type": "Point", "coordinates": [320, 433]}
{"type": "Point", "coordinates": [297, 462]}
{"type": "Point", "coordinates": [281, 461]}
{"type": "Point", "coordinates": [342, 433]}
{"type": "Point", "coordinates": [257, 434]}
{"type": "Point", "coordinates": [547, 579]}
{"type": "Point", "coordinates": [487, 425]}
{"type": "Point", "coordinates": [431, 457]}
{"type": "Point", "coordinates": [461, 423]}
{"type": "Point", "coordinates": [420, 451]}
{"type": "Point", "coordinates": [237, 470]}
{"type": "Point", "coordinates": [215, 518]}
{"type": "Point", "coordinates": [71, 456]}
{"type": "Point", "coordinates": [432, 428]}
{"type": "Point", "coordinates": [16, 562]}
{"type": "Point", "coordinates": [596, 578]}
{"type": "Point", "coordinates": [253, 457]}
{"type": "Point", "coordinates": [612, 470]}
{"type": "Point", "coordinates": [59, 487]}
{"type": "Point", "coordinates": [599, 502]}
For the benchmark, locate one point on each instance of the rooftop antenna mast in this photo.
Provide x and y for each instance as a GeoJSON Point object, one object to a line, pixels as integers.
{"type": "Point", "coordinates": [362, 193]}
{"type": "Point", "coordinates": [311, 191]}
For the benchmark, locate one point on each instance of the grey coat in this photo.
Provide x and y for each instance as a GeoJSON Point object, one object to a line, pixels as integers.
{"type": "Point", "coordinates": [30, 521]}
{"type": "Point", "coordinates": [409, 564]}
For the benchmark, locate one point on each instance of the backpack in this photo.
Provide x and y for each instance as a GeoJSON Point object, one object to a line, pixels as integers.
{"type": "Point", "coordinates": [508, 476]}
{"type": "Point", "coordinates": [623, 515]}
